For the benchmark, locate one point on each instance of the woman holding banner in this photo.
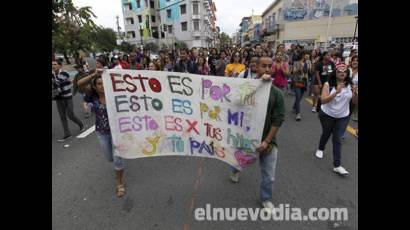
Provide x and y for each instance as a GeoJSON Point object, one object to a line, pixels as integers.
{"type": "Point", "coordinates": [96, 97]}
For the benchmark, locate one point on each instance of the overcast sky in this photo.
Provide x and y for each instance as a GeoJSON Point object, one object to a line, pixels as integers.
{"type": "Point", "coordinates": [228, 12]}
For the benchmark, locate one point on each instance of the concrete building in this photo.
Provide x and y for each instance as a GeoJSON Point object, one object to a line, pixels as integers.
{"type": "Point", "coordinates": [254, 29]}
{"type": "Point", "coordinates": [243, 30]}
{"type": "Point", "coordinates": [168, 21]}
{"type": "Point", "coordinates": [272, 24]}
{"type": "Point", "coordinates": [141, 20]}
{"type": "Point", "coordinates": [306, 21]}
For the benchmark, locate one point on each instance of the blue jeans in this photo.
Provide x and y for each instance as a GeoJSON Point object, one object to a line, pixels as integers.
{"type": "Point", "coordinates": [298, 97]}
{"type": "Point", "coordinates": [106, 144]}
{"type": "Point", "coordinates": [267, 163]}
{"type": "Point", "coordinates": [336, 127]}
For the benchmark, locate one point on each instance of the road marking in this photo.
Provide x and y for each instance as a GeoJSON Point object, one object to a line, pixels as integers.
{"type": "Point", "coordinates": [87, 132]}
{"type": "Point", "coordinates": [350, 129]}
{"type": "Point", "coordinates": [194, 192]}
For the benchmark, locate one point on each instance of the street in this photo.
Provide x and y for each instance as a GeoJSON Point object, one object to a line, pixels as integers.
{"type": "Point", "coordinates": [163, 192]}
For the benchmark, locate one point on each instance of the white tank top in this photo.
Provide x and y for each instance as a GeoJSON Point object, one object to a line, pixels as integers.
{"type": "Point", "coordinates": [339, 106]}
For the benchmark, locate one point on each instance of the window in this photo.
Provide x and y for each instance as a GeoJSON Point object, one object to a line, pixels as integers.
{"type": "Point", "coordinates": [155, 32]}
{"type": "Point", "coordinates": [138, 3]}
{"type": "Point", "coordinates": [153, 18]}
{"type": "Point", "coordinates": [147, 21]}
{"type": "Point", "coordinates": [152, 4]}
{"type": "Point", "coordinates": [131, 33]}
{"type": "Point", "coordinates": [139, 19]}
{"type": "Point", "coordinates": [183, 9]}
{"type": "Point", "coordinates": [273, 19]}
{"type": "Point", "coordinates": [168, 13]}
{"type": "Point", "coordinates": [195, 8]}
{"type": "Point", "coordinates": [196, 25]}
{"type": "Point", "coordinates": [170, 29]}
{"type": "Point", "coordinates": [184, 26]}
{"type": "Point", "coordinates": [130, 21]}
{"type": "Point", "coordinates": [128, 5]}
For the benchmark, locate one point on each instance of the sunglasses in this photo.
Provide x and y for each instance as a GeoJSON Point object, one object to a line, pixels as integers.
{"type": "Point", "coordinates": [341, 71]}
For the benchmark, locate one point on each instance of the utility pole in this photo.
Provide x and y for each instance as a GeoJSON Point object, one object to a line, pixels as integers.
{"type": "Point", "coordinates": [355, 29]}
{"type": "Point", "coordinates": [118, 27]}
{"type": "Point", "coordinates": [328, 24]}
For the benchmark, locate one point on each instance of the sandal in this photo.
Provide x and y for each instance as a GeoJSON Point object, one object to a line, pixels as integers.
{"type": "Point", "coordinates": [120, 190]}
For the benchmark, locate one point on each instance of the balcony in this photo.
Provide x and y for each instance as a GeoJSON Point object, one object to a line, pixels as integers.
{"type": "Point", "coordinates": [196, 33]}
{"type": "Point", "coordinates": [196, 17]}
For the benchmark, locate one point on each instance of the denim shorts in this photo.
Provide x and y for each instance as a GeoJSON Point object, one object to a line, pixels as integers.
{"type": "Point", "coordinates": [106, 144]}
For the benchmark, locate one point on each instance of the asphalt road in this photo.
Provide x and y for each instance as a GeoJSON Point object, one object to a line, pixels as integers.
{"type": "Point", "coordinates": [162, 192]}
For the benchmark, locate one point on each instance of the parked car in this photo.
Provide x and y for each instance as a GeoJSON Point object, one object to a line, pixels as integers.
{"type": "Point", "coordinates": [59, 57]}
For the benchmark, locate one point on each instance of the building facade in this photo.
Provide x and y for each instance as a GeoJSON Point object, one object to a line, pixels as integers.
{"type": "Point", "coordinates": [166, 22]}
{"type": "Point", "coordinates": [255, 29]}
{"type": "Point", "coordinates": [273, 24]}
{"type": "Point", "coordinates": [306, 21]}
{"type": "Point", "coordinates": [243, 30]}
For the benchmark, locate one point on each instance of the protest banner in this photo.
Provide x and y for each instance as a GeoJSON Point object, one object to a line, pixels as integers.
{"type": "Point", "coordinates": [153, 113]}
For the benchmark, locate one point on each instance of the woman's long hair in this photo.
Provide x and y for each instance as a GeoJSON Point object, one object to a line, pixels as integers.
{"type": "Point", "coordinates": [333, 82]}
{"type": "Point", "coordinates": [233, 57]}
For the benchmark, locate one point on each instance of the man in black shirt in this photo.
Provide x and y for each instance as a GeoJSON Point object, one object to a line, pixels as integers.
{"type": "Point", "coordinates": [184, 65]}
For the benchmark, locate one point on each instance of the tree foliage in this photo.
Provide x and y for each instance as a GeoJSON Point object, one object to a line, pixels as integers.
{"type": "Point", "coordinates": [224, 38]}
{"type": "Point", "coordinates": [105, 39]}
{"type": "Point", "coordinates": [126, 47]}
{"type": "Point", "coordinates": [72, 28]}
{"type": "Point", "coordinates": [151, 47]}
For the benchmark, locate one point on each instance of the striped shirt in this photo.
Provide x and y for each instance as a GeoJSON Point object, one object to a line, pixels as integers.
{"type": "Point", "coordinates": [63, 82]}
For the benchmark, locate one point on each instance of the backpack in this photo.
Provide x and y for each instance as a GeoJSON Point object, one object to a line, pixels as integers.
{"type": "Point", "coordinates": [246, 73]}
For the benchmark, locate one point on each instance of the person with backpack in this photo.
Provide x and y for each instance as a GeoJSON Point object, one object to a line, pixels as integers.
{"type": "Point", "coordinates": [251, 71]}
{"type": "Point", "coordinates": [334, 116]}
{"type": "Point", "coordinates": [300, 77]}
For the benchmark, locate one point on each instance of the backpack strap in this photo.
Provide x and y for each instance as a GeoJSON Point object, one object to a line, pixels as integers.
{"type": "Point", "coordinates": [245, 75]}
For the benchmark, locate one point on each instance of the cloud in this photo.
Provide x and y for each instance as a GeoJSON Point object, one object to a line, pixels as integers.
{"type": "Point", "coordinates": [229, 12]}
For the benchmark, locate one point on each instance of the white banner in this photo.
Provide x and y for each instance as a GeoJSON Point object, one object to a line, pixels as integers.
{"type": "Point", "coordinates": [154, 113]}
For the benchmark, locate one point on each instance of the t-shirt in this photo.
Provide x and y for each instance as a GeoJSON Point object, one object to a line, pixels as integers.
{"type": "Point", "coordinates": [101, 116]}
{"type": "Point", "coordinates": [230, 68]}
{"type": "Point", "coordinates": [325, 70]}
{"type": "Point", "coordinates": [62, 81]}
{"type": "Point", "coordinates": [339, 106]}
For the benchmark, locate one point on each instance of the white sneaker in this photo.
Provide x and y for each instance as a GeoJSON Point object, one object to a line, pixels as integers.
{"type": "Point", "coordinates": [234, 177]}
{"type": "Point", "coordinates": [319, 154]}
{"type": "Point", "coordinates": [268, 206]}
{"type": "Point", "coordinates": [313, 109]}
{"type": "Point", "coordinates": [340, 170]}
{"type": "Point", "coordinates": [298, 117]}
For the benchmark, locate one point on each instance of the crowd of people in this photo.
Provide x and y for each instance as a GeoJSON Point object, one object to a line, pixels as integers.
{"type": "Point", "coordinates": [330, 81]}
